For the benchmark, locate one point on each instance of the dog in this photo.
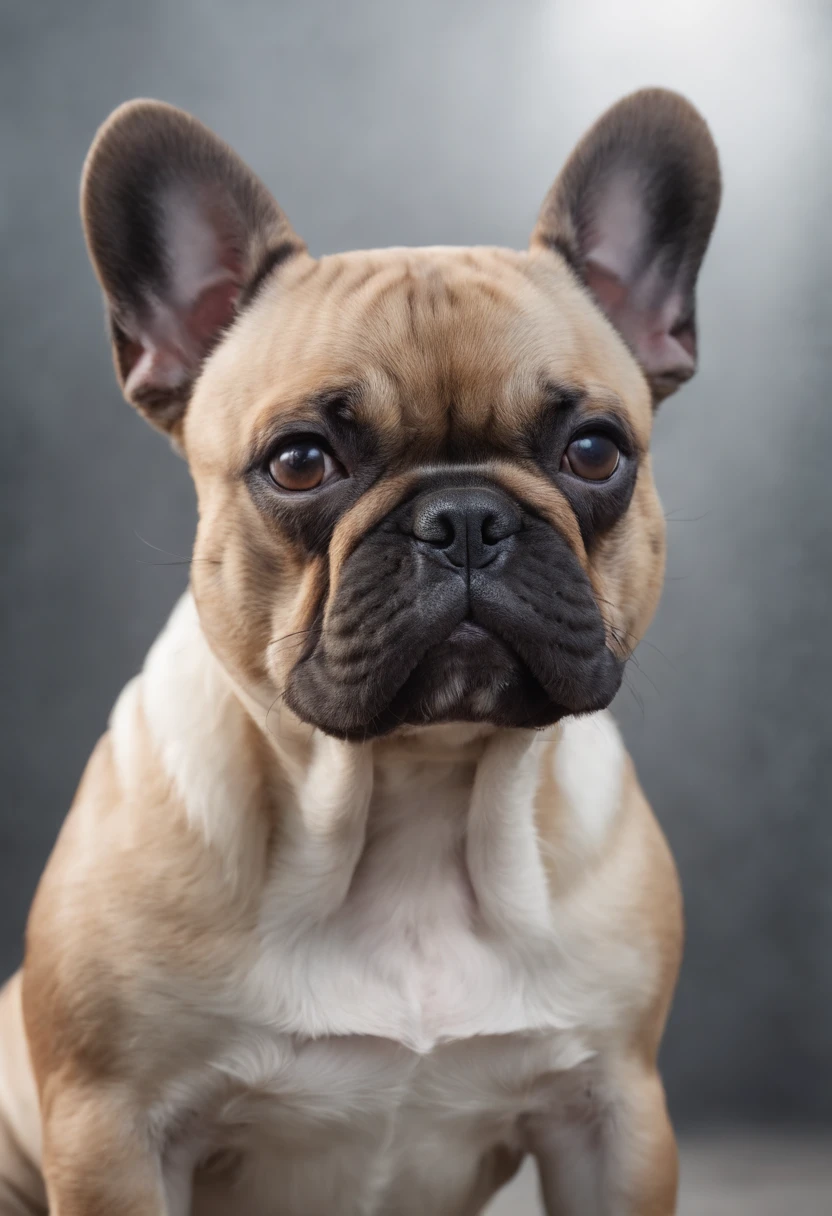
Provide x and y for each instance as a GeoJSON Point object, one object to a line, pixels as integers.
{"type": "Point", "coordinates": [359, 902]}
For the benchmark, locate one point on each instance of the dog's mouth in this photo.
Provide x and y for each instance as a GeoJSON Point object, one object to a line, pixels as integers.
{"type": "Point", "coordinates": [472, 675]}
{"type": "Point", "coordinates": [433, 626]}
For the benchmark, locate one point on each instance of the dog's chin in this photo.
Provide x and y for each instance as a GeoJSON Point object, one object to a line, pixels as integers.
{"type": "Point", "coordinates": [473, 676]}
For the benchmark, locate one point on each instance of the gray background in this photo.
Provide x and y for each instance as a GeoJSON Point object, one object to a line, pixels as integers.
{"type": "Point", "coordinates": [444, 121]}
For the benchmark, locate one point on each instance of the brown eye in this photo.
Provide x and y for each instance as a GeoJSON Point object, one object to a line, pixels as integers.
{"type": "Point", "coordinates": [593, 456]}
{"type": "Point", "coordinates": [301, 465]}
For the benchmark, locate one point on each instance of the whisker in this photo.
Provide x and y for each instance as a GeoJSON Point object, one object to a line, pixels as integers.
{"type": "Point", "coordinates": [179, 560]}
{"type": "Point", "coordinates": [184, 562]}
{"type": "Point", "coordinates": [653, 646]}
{"type": "Point", "coordinates": [636, 697]}
{"type": "Point", "coordinates": [672, 518]}
{"type": "Point", "coordinates": [632, 659]}
{"type": "Point", "coordinates": [621, 634]}
{"type": "Point", "coordinates": [166, 552]}
{"type": "Point", "coordinates": [300, 636]}
{"type": "Point", "coordinates": [297, 633]}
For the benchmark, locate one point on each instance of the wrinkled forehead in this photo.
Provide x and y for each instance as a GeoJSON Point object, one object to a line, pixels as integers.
{"type": "Point", "coordinates": [444, 348]}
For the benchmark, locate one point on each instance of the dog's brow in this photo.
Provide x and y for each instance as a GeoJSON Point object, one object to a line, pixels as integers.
{"type": "Point", "coordinates": [601, 395]}
{"type": "Point", "coordinates": [559, 397]}
{"type": "Point", "coordinates": [563, 397]}
{"type": "Point", "coordinates": [330, 409]}
{"type": "Point", "coordinates": [338, 404]}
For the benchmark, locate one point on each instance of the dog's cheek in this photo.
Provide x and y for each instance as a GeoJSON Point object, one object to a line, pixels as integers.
{"type": "Point", "coordinates": [245, 582]}
{"type": "Point", "coordinates": [628, 570]}
{"type": "Point", "coordinates": [387, 608]}
{"type": "Point", "coordinates": [297, 618]}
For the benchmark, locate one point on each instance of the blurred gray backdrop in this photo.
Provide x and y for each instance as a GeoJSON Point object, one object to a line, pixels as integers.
{"type": "Point", "coordinates": [443, 122]}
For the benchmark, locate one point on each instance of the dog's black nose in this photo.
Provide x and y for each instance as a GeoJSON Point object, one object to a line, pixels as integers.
{"type": "Point", "coordinates": [468, 525]}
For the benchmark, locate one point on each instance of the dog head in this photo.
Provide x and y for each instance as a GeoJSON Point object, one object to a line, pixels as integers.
{"type": "Point", "coordinates": [423, 475]}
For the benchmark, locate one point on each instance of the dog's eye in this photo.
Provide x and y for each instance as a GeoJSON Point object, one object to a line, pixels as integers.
{"type": "Point", "coordinates": [592, 456]}
{"type": "Point", "coordinates": [303, 464]}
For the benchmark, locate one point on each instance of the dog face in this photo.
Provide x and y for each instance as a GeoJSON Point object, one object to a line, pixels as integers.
{"type": "Point", "coordinates": [423, 475]}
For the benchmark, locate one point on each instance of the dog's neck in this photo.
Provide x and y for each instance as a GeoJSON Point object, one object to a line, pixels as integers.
{"type": "Point", "coordinates": [187, 688]}
{"type": "Point", "coordinates": [238, 765]}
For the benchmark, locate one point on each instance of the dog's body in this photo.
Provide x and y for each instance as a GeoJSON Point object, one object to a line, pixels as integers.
{"type": "Point", "coordinates": [331, 927]}
{"type": "Point", "coordinates": [396, 1057]}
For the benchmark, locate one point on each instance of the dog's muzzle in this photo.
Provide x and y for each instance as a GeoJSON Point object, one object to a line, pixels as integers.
{"type": "Point", "coordinates": [460, 605]}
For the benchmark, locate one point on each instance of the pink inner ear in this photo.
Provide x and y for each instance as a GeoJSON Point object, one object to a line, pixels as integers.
{"type": "Point", "coordinates": [641, 302]}
{"type": "Point", "coordinates": [177, 329]}
{"type": "Point", "coordinates": [646, 314]}
{"type": "Point", "coordinates": [170, 347]}
{"type": "Point", "coordinates": [211, 312]}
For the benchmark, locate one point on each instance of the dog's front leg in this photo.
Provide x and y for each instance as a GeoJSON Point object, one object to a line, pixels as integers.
{"type": "Point", "coordinates": [99, 1157]}
{"type": "Point", "coordinates": [619, 1161]}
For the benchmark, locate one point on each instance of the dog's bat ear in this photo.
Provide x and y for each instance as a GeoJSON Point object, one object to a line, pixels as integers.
{"type": "Point", "coordinates": [179, 230]}
{"type": "Point", "coordinates": [632, 212]}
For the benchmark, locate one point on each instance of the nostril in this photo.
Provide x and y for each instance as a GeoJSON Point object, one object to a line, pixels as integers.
{"type": "Point", "coordinates": [491, 532]}
{"type": "Point", "coordinates": [498, 525]}
{"type": "Point", "coordinates": [435, 528]}
{"type": "Point", "coordinates": [442, 532]}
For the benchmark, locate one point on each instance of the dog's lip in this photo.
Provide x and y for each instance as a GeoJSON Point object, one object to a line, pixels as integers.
{"type": "Point", "coordinates": [469, 631]}
{"type": "Point", "coordinates": [470, 643]}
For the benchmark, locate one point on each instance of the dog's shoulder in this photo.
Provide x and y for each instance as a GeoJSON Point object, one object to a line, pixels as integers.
{"type": "Point", "coordinates": [137, 899]}
{"type": "Point", "coordinates": [613, 885]}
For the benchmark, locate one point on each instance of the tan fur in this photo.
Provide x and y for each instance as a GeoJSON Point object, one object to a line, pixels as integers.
{"type": "Point", "coordinates": [546, 326]}
{"type": "Point", "coordinates": [148, 941]}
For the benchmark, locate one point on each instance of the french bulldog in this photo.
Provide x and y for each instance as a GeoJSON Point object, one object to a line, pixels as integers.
{"type": "Point", "coordinates": [359, 902]}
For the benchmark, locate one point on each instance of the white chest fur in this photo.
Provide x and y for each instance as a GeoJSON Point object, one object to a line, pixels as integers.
{"type": "Point", "coordinates": [380, 930]}
{"type": "Point", "coordinates": [411, 989]}
{"type": "Point", "coordinates": [383, 1052]}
